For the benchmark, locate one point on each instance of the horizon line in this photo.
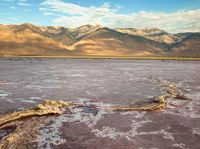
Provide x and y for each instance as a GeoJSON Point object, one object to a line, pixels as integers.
{"type": "Point", "coordinates": [101, 26]}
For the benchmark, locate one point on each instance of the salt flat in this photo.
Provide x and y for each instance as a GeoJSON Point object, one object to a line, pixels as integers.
{"type": "Point", "coordinates": [26, 82]}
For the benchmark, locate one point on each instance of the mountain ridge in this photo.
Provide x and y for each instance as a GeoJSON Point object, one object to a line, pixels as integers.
{"type": "Point", "coordinates": [29, 39]}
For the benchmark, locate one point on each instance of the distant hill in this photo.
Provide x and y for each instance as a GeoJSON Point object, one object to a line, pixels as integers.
{"type": "Point", "coordinates": [189, 46]}
{"type": "Point", "coordinates": [30, 40]}
{"type": "Point", "coordinates": [152, 34]}
{"type": "Point", "coordinates": [184, 35]}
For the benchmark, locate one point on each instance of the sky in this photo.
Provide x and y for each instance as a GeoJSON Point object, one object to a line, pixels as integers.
{"type": "Point", "coordinates": [170, 15]}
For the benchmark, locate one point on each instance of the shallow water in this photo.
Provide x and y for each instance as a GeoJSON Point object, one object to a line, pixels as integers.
{"type": "Point", "coordinates": [105, 83]}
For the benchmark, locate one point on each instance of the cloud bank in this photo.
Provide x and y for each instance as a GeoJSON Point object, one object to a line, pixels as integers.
{"type": "Point", "coordinates": [72, 15]}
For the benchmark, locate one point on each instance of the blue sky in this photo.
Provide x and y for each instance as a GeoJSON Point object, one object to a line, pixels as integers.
{"type": "Point", "coordinates": [170, 15]}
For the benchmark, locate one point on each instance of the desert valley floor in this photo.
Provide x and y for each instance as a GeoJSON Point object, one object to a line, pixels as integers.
{"type": "Point", "coordinates": [27, 82]}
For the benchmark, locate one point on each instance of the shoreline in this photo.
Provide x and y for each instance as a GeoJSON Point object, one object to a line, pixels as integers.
{"type": "Point", "coordinates": [107, 57]}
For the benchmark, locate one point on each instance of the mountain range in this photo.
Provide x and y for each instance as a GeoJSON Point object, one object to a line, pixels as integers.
{"type": "Point", "coordinates": [88, 40]}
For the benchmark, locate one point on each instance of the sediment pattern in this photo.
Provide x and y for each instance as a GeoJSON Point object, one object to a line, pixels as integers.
{"type": "Point", "coordinates": [159, 102]}
{"type": "Point", "coordinates": [14, 131]}
{"type": "Point", "coordinates": [24, 132]}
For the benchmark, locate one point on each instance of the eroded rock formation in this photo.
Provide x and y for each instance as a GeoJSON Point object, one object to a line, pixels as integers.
{"type": "Point", "coordinates": [46, 108]}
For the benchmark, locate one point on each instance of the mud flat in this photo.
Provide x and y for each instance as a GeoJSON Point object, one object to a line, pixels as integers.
{"type": "Point", "coordinates": [25, 83]}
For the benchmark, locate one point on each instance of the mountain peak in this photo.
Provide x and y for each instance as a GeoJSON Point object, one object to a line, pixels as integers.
{"type": "Point", "coordinates": [27, 24]}
{"type": "Point", "coordinates": [150, 28]}
{"type": "Point", "coordinates": [89, 26]}
{"type": "Point", "coordinates": [84, 30]}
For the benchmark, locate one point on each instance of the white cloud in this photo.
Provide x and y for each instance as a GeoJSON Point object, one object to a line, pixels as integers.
{"type": "Point", "coordinates": [24, 4]}
{"type": "Point", "coordinates": [72, 15]}
{"type": "Point", "coordinates": [12, 7]}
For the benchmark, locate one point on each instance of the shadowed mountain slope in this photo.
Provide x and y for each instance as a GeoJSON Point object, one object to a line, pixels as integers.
{"type": "Point", "coordinates": [153, 34]}
{"type": "Point", "coordinates": [105, 41]}
{"type": "Point", "coordinates": [81, 31]}
{"type": "Point", "coordinates": [190, 46]}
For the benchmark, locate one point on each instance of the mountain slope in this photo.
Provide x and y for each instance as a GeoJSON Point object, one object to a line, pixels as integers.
{"type": "Point", "coordinates": [152, 34]}
{"type": "Point", "coordinates": [105, 41]}
{"type": "Point", "coordinates": [84, 30]}
{"type": "Point", "coordinates": [56, 33]}
{"type": "Point", "coordinates": [25, 40]}
{"type": "Point", "coordinates": [59, 34]}
{"type": "Point", "coordinates": [28, 39]}
{"type": "Point", "coordinates": [190, 46]}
